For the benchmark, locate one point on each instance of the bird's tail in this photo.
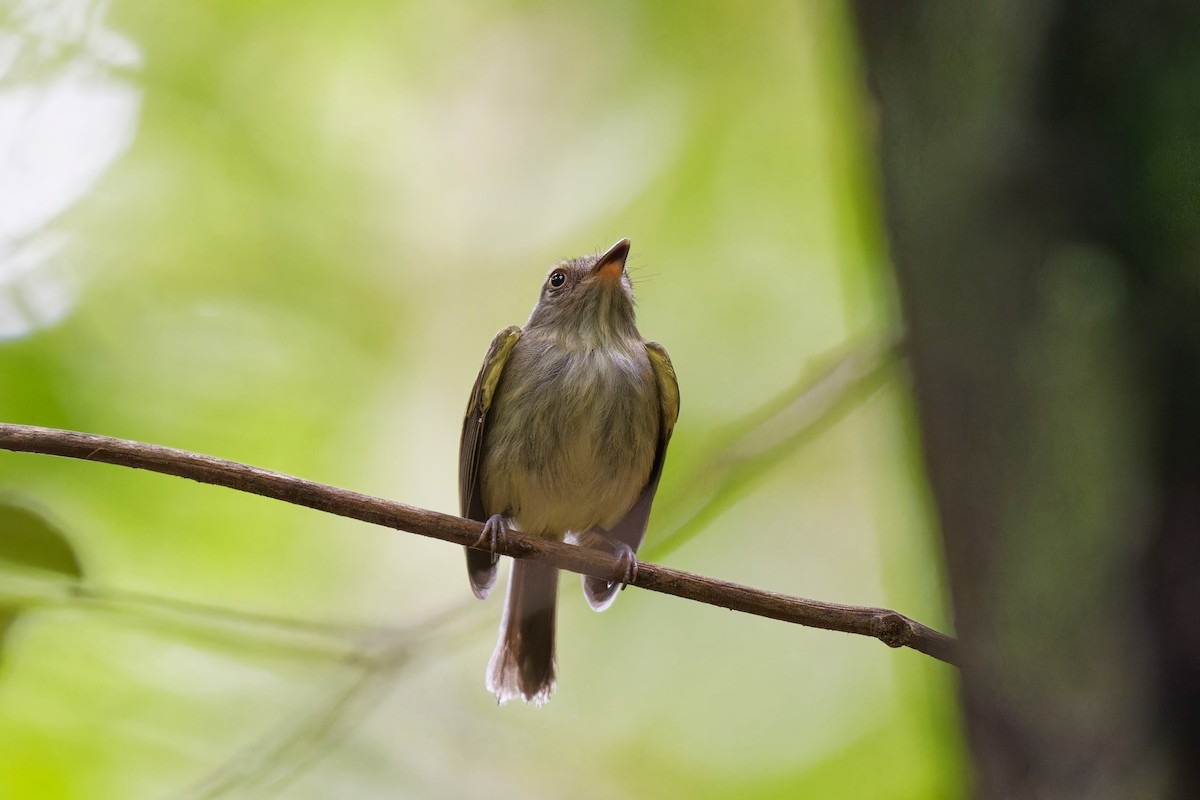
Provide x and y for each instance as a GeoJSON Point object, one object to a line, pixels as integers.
{"type": "Point", "coordinates": [523, 664]}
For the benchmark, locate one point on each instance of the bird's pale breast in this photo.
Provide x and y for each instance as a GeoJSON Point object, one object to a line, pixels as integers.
{"type": "Point", "coordinates": [571, 436]}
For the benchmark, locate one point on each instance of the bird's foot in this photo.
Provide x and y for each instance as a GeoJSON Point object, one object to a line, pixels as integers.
{"type": "Point", "coordinates": [601, 593]}
{"type": "Point", "coordinates": [627, 561]}
{"type": "Point", "coordinates": [495, 530]}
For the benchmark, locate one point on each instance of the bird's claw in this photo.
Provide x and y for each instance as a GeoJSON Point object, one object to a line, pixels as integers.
{"type": "Point", "coordinates": [495, 530]}
{"type": "Point", "coordinates": [627, 561]}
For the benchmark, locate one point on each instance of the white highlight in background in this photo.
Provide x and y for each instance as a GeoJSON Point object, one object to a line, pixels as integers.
{"type": "Point", "coordinates": [65, 117]}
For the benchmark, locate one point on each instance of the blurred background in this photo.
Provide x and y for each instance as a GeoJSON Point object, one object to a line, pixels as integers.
{"type": "Point", "coordinates": [284, 233]}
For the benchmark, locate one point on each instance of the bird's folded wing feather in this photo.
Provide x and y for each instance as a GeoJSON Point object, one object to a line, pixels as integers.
{"type": "Point", "coordinates": [481, 566]}
{"type": "Point", "coordinates": [631, 530]}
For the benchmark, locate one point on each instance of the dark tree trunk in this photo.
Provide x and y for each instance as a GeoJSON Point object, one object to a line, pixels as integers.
{"type": "Point", "coordinates": [1041, 169]}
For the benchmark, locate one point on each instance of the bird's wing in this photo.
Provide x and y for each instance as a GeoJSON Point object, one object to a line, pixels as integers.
{"type": "Point", "coordinates": [481, 566]}
{"type": "Point", "coordinates": [632, 527]}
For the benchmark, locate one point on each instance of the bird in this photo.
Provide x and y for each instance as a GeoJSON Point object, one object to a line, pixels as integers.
{"type": "Point", "coordinates": [564, 437]}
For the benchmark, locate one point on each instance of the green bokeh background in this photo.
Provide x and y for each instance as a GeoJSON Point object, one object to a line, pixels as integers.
{"type": "Point", "coordinates": [311, 219]}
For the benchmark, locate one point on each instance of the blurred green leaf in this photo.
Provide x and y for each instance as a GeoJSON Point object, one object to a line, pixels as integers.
{"type": "Point", "coordinates": [29, 541]}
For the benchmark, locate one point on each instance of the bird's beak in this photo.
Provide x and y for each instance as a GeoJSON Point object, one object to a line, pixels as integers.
{"type": "Point", "coordinates": [611, 265]}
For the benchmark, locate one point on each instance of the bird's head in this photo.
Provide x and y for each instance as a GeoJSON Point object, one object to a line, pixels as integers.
{"type": "Point", "coordinates": [590, 297]}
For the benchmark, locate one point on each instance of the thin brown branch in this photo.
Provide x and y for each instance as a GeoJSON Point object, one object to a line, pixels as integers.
{"type": "Point", "coordinates": [890, 627]}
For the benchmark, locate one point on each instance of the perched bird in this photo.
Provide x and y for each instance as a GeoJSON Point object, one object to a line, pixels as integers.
{"type": "Point", "coordinates": [564, 437]}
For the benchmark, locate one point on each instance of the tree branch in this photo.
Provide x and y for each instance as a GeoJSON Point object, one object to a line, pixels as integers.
{"type": "Point", "coordinates": [890, 627]}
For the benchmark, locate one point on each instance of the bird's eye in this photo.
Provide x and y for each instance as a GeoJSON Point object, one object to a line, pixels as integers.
{"type": "Point", "coordinates": [557, 278]}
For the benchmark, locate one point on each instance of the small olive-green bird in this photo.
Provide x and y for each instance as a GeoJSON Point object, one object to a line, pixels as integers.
{"type": "Point", "coordinates": [564, 437]}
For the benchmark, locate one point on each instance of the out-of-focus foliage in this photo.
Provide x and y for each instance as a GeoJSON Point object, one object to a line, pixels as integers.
{"type": "Point", "coordinates": [30, 542]}
{"type": "Point", "coordinates": [284, 233]}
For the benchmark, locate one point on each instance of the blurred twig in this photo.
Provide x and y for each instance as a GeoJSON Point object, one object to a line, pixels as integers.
{"type": "Point", "coordinates": [890, 627]}
{"type": "Point", "coordinates": [365, 660]}
{"type": "Point", "coordinates": [770, 433]}
{"type": "Point", "coordinates": [281, 755]}
{"type": "Point", "coordinates": [28, 589]}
